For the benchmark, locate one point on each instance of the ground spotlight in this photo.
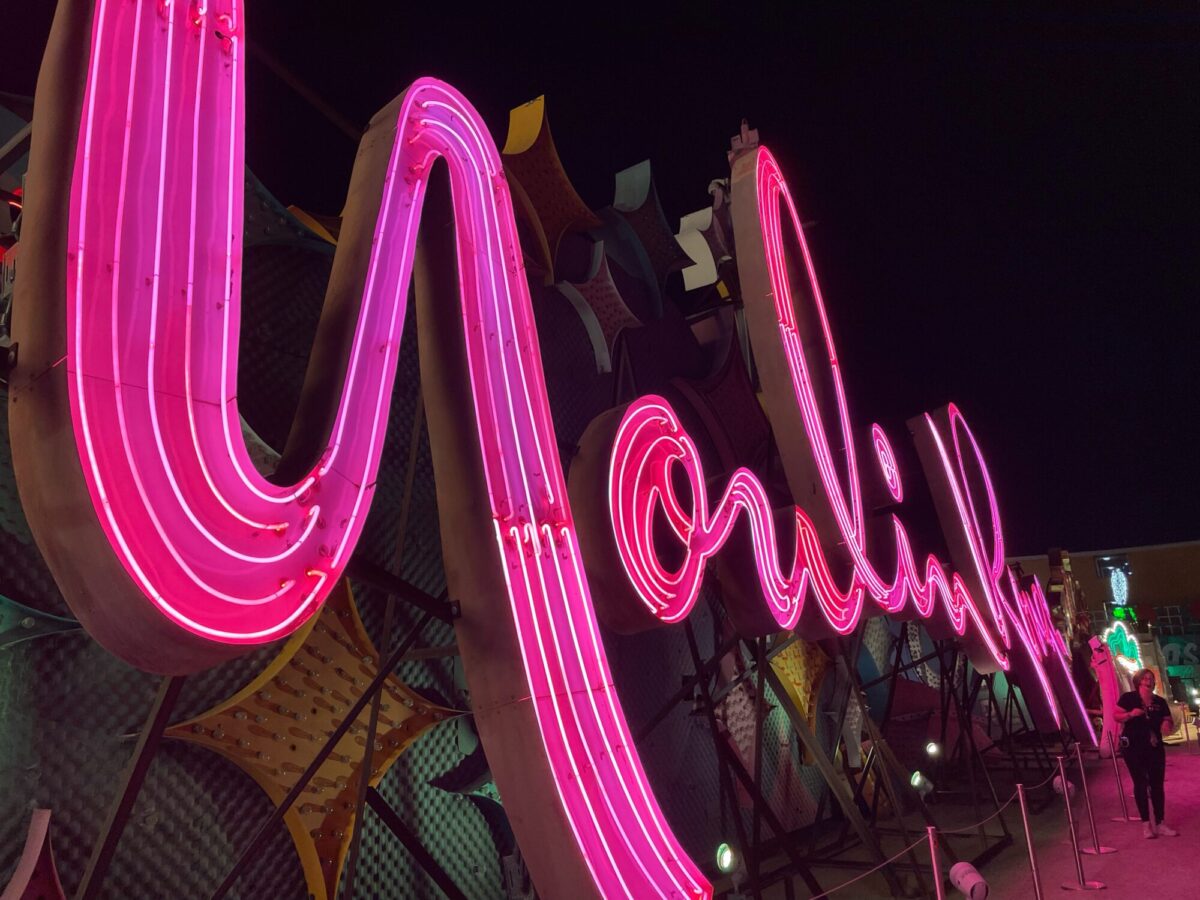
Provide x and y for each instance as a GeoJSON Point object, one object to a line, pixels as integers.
{"type": "Point", "coordinates": [1058, 786]}
{"type": "Point", "coordinates": [966, 878]}
{"type": "Point", "coordinates": [933, 748]}
{"type": "Point", "coordinates": [731, 863]}
{"type": "Point", "coordinates": [920, 783]}
{"type": "Point", "coordinates": [727, 858]}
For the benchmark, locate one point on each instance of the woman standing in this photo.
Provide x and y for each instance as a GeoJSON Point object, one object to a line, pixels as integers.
{"type": "Point", "coordinates": [1146, 718]}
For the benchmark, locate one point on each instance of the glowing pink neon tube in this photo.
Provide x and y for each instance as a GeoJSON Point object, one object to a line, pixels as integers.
{"type": "Point", "coordinates": [650, 447]}
{"type": "Point", "coordinates": [153, 299]}
{"type": "Point", "coordinates": [887, 462]}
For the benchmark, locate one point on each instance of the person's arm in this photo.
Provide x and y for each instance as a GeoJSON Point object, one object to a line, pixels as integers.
{"type": "Point", "coordinates": [1167, 726]}
{"type": "Point", "coordinates": [1122, 714]}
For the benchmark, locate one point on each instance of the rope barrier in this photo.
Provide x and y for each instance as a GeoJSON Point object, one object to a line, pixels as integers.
{"type": "Point", "coordinates": [971, 828]}
{"type": "Point", "coordinates": [1040, 785]}
{"type": "Point", "coordinates": [956, 831]}
{"type": "Point", "coordinates": [887, 862]}
{"type": "Point", "coordinates": [1007, 803]}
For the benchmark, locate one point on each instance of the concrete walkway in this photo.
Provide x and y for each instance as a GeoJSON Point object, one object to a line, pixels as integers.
{"type": "Point", "coordinates": [1158, 869]}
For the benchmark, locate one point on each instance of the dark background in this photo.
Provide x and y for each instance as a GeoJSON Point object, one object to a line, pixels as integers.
{"type": "Point", "coordinates": [1005, 201]}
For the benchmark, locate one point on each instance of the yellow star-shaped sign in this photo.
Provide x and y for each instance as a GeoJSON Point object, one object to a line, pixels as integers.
{"type": "Point", "coordinates": [273, 728]}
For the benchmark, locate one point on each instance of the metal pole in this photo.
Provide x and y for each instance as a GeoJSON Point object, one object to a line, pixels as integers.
{"type": "Point", "coordinates": [938, 890]}
{"type": "Point", "coordinates": [1084, 884]}
{"type": "Point", "coordinates": [760, 713]}
{"type": "Point", "coordinates": [366, 767]}
{"type": "Point", "coordinates": [726, 787]}
{"type": "Point", "coordinates": [135, 775]}
{"type": "Point", "coordinates": [385, 670]}
{"type": "Point", "coordinates": [413, 844]}
{"type": "Point", "coordinates": [729, 762]}
{"type": "Point", "coordinates": [1095, 849]}
{"type": "Point", "coordinates": [340, 122]}
{"type": "Point", "coordinates": [1112, 751]}
{"type": "Point", "coordinates": [1033, 866]}
{"type": "Point", "coordinates": [890, 771]}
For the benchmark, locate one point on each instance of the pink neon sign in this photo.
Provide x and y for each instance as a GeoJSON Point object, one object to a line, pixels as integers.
{"type": "Point", "coordinates": [152, 299]}
{"type": "Point", "coordinates": [651, 450]}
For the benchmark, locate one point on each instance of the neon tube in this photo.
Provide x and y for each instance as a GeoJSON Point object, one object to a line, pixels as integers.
{"type": "Point", "coordinates": [153, 299]}
{"type": "Point", "coordinates": [153, 305]}
{"type": "Point", "coordinates": [650, 443]}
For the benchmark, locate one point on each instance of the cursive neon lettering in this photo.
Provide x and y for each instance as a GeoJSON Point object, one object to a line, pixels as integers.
{"type": "Point", "coordinates": [152, 300]}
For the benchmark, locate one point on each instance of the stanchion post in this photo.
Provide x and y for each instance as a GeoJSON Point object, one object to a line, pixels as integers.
{"type": "Point", "coordinates": [1112, 752]}
{"type": "Point", "coordinates": [1084, 884]}
{"type": "Point", "coordinates": [1033, 866]}
{"type": "Point", "coordinates": [938, 890]}
{"type": "Point", "coordinates": [1095, 849]}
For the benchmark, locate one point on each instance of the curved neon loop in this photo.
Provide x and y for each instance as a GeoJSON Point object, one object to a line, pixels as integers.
{"type": "Point", "coordinates": [887, 462]}
{"type": "Point", "coordinates": [649, 442]}
{"type": "Point", "coordinates": [155, 253]}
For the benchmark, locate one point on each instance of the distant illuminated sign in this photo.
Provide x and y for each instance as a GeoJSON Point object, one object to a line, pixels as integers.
{"type": "Point", "coordinates": [1119, 585]}
{"type": "Point", "coordinates": [1124, 646]}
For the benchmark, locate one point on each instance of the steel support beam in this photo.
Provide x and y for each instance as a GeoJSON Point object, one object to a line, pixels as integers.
{"type": "Point", "coordinates": [366, 767]}
{"type": "Point", "coordinates": [719, 745]}
{"type": "Point", "coordinates": [376, 576]}
{"type": "Point", "coordinates": [890, 765]}
{"type": "Point", "coordinates": [833, 779]}
{"type": "Point", "coordinates": [16, 147]}
{"type": "Point", "coordinates": [135, 775]}
{"type": "Point", "coordinates": [686, 689]}
{"type": "Point", "coordinates": [728, 758]}
{"type": "Point", "coordinates": [376, 685]}
{"type": "Point", "coordinates": [414, 846]}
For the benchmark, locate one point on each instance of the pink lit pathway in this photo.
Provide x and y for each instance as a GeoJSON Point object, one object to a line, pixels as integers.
{"type": "Point", "coordinates": [1158, 869]}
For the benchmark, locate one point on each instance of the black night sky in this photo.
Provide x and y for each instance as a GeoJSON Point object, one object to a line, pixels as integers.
{"type": "Point", "coordinates": [1005, 202]}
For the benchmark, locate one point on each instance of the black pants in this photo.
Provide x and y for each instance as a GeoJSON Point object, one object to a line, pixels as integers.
{"type": "Point", "coordinates": [1147, 766]}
